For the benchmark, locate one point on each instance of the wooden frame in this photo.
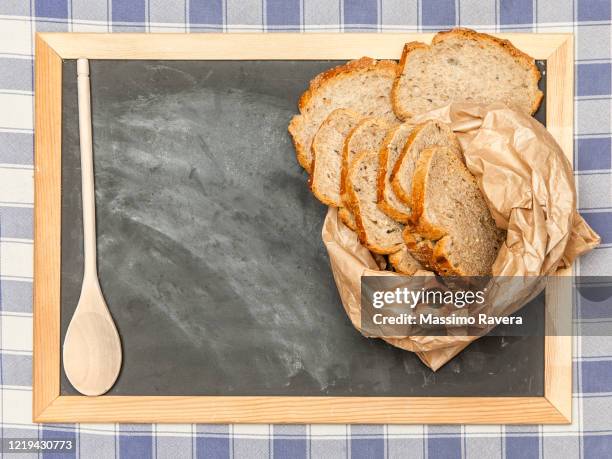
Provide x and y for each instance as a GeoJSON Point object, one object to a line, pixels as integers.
{"type": "Point", "coordinates": [50, 406]}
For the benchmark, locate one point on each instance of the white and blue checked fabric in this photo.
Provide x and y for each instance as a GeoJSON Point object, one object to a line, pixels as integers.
{"type": "Point", "coordinates": [590, 435]}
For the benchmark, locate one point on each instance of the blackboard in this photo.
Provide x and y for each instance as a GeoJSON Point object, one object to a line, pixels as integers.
{"type": "Point", "coordinates": [209, 248]}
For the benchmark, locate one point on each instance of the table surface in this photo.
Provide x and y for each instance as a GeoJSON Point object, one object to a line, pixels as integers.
{"type": "Point", "coordinates": [590, 435]}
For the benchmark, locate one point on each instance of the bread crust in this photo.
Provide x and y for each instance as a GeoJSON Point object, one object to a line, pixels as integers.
{"type": "Point", "coordinates": [406, 195]}
{"type": "Point", "coordinates": [441, 261]}
{"type": "Point", "coordinates": [519, 56]}
{"type": "Point", "coordinates": [392, 212]}
{"type": "Point", "coordinates": [395, 173]}
{"type": "Point", "coordinates": [347, 218]}
{"type": "Point", "coordinates": [421, 249]}
{"type": "Point", "coordinates": [419, 184]}
{"type": "Point", "coordinates": [341, 71]}
{"type": "Point", "coordinates": [406, 51]}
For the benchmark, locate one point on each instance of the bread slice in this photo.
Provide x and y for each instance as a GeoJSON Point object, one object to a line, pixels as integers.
{"type": "Point", "coordinates": [462, 65]}
{"type": "Point", "coordinates": [403, 262]}
{"type": "Point", "coordinates": [391, 149]}
{"type": "Point", "coordinates": [367, 135]}
{"type": "Point", "coordinates": [423, 135]}
{"type": "Point", "coordinates": [327, 148]}
{"type": "Point", "coordinates": [452, 213]}
{"type": "Point", "coordinates": [346, 217]}
{"type": "Point", "coordinates": [376, 230]}
{"type": "Point", "coordinates": [362, 85]}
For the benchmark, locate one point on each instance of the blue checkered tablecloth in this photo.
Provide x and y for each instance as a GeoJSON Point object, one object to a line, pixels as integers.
{"type": "Point", "coordinates": [591, 433]}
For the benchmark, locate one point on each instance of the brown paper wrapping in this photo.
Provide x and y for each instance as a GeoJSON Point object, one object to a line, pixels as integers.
{"type": "Point", "coordinates": [528, 184]}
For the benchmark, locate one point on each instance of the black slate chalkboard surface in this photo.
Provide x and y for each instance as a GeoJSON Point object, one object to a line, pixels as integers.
{"type": "Point", "coordinates": [209, 246]}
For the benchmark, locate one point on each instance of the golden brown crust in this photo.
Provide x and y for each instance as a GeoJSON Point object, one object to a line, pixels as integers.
{"type": "Point", "coordinates": [421, 238]}
{"type": "Point", "coordinates": [293, 129]}
{"type": "Point", "coordinates": [421, 249]}
{"type": "Point", "coordinates": [347, 218]}
{"type": "Point", "coordinates": [522, 58]}
{"type": "Point", "coordinates": [393, 213]}
{"type": "Point", "coordinates": [441, 262]}
{"type": "Point", "coordinates": [381, 183]}
{"type": "Point", "coordinates": [420, 180]}
{"type": "Point", "coordinates": [321, 80]}
{"type": "Point", "coordinates": [419, 183]}
{"type": "Point", "coordinates": [383, 157]}
{"type": "Point", "coordinates": [395, 173]}
{"type": "Point", "coordinates": [408, 48]}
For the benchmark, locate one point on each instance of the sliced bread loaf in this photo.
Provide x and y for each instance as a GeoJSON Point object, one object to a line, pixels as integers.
{"type": "Point", "coordinates": [376, 230]}
{"type": "Point", "coordinates": [464, 65]}
{"type": "Point", "coordinates": [327, 155]}
{"type": "Point", "coordinates": [424, 135]}
{"type": "Point", "coordinates": [391, 149]}
{"type": "Point", "coordinates": [453, 214]}
{"type": "Point", "coordinates": [403, 262]}
{"type": "Point", "coordinates": [362, 85]}
{"type": "Point", "coordinates": [367, 135]}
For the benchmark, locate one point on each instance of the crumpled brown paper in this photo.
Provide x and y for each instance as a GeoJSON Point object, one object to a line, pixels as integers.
{"type": "Point", "coordinates": [528, 184]}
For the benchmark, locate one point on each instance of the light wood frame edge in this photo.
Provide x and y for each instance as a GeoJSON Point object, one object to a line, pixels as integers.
{"type": "Point", "coordinates": [47, 227]}
{"type": "Point", "coordinates": [560, 123]}
{"type": "Point", "coordinates": [49, 406]}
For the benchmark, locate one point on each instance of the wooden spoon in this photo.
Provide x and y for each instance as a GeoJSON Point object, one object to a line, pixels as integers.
{"type": "Point", "coordinates": [92, 347]}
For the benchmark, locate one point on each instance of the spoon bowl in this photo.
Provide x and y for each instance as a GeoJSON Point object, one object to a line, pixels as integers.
{"type": "Point", "coordinates": [92, 347]}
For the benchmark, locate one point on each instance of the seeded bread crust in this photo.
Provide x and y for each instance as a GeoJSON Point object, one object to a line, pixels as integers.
{"type": "Point", "coordinates": [314, 106]}
{"type": "Point", "coordinates": [401, 177]}
{"type": "Point", "coordinates": [390, 152]}
{"type": "Point", "coordinates": [403, 262]}
{"type": "Point", "coordinates": [327, 147]}
{"type": "Point", "coordinates": [442, 241]}
{"type": "Point", "coordinates": [376, 231]}
{"type": "Point", "coordinates": [402, 102]}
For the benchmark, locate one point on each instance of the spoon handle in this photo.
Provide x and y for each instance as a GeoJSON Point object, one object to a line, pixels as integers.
{"type": "Point", "coordinates": [87, 170]}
